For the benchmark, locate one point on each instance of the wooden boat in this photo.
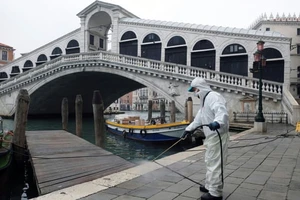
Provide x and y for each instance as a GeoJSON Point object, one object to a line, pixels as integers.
{"type": "Point", "coordinates": [5, 147]}
{"type": "Point", "coordinates": [132, 127]}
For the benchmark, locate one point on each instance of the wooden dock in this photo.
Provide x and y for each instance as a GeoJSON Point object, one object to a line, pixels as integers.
{"type": "Point", "coordinates": [61, 159]}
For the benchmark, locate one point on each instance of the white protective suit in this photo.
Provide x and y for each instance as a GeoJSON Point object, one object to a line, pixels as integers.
{"type": "Point", "coordinates": [214, 109]}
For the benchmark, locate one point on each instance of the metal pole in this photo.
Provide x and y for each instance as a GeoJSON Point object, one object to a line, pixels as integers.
{"type": "Point", "coordinates": [260, 117]}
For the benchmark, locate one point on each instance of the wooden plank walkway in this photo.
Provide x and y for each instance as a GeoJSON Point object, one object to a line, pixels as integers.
{"type": "Point", "coordinates": [61, 159]}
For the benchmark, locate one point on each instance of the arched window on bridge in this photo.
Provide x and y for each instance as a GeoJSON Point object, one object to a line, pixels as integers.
{"type": "Point", "coordinates": [41, 59]}
{"type": "Point", "coordinates": [3, 76]}
{"type": "Point", "coordinates": [176, 50]}
{"type": "Point", "coordinates": [151, 47]}
{"type": "Point", "coordinates": [129, 44]}
{"type": "Point", "coordinates": [274, 69]}
{"type": "Point", "coordinates": [234, 60]}
{"type": "Point", "coordinates": [56, 53]}
{"type": "Point", "coordinates": [203, 55]}
{"type": "Point", "coordinates": [15, 70]}
{"type": "Point", "coordinates": [27, 66]}
{"type": "Point", "coordinates": [72, 47]}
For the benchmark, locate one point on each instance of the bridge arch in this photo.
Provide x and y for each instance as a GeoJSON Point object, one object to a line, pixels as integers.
{"type": "Point", "coordinates": [151, 47]}
{"type": "Point", "coordinates": [74, 77]}
{"type": "Point", "coordinates": [176, 50]}
{"type": "Point", "coordinates": [72, 47]}
{"type": "Point", "coordinates": [128, 44]}
{"type": "Point", "coordinates": [234, 60]}
{"type": "Point", "coordinates": [203, 55]}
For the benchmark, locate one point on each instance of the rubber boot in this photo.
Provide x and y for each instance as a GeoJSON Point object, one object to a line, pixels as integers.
{"type": "Point", "coordinates": [203, 189]}
{"type": "Point", "coordinates": [208, 196]}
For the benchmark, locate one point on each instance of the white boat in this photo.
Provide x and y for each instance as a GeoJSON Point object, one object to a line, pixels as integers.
{"type": "Point", "coordinates": [132, 127]}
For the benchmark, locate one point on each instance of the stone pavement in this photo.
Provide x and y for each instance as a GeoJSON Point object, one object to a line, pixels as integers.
{"type": "Point", "coordinates": [269, 170]}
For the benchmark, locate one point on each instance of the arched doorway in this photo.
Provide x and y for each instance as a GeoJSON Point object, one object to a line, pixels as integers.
{"type": "Point", "coordinates": [73, 47]}
{"type": "Point", "coordinates": [176, 50]}
{"type": "Point", "coordinates": [56, 53]}
{"type": "Point", "coordinates": [151, 47]}
{"type": "Point", "coordinates": [3, 76]}
{"type": "Point", "coordinates": [129, 44]}
{"type": "Point", "coordinates": [274, 69]}
{"type": "Point", "coordinates": [234, 60]}
{"type": "Point", "coordinates": [203, 55]}
{"type": "Point", "coordinates": [41, 59]}
{"type": "Point", "coordinates": [99, 31]}
{"type": "Point", "coordinates": [27, 65]}
{"type": "Point", "coordinates": [15, 70]}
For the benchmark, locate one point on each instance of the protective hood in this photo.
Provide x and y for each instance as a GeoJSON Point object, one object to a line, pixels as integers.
{"type": "Point", "coordinates": [201, 84]}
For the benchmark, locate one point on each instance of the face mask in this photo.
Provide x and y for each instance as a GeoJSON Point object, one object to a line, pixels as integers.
{"type": "Point", "coordinates": [196, 94]}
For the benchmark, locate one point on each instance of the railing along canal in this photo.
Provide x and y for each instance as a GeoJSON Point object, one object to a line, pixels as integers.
{"type": "Point", "coordinates": [271, 117]}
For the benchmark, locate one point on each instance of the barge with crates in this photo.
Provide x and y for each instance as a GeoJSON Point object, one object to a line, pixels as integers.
{"type": "Point", "coordinates": [154, 130]}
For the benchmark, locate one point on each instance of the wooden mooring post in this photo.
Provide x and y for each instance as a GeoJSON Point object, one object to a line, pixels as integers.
{"type": "Point", "coordinates": [162, 111]}
{"type": "Point", "coordinates": [20, 123]}
{"type": "Point", "coordinates": [186, 112]}
{"type": "Point", "coordinates": [149, 110]}
{"type": "Point", "coordinates": [98, 119]}
{"type": "Point", "coordinates": [78, 115]}
{"type": "Point", "coordinates": [173, 112]}
{"type": "Point", "coordinates": [65, 113]}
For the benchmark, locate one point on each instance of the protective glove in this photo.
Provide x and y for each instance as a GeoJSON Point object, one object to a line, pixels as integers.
{"type": "Point", "coordinates": [214, 126]}
{"type": "Point", "coordinates": [186, 134]}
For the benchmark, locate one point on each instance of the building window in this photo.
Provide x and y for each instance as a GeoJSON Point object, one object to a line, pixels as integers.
{"type": "Point", "coordinates": [298, 49]}
{"type": "Point", "coordinates": [101, 43]}
{"type": "Point", "coordinates": [298, 69]}
{"type": "Point", "coordinates": [4, 55]}
{"type": "Point", "coordinates": [267, 29]}
{"type": "Point", "coordinates": [91, 40]}
{"type": "Point", "coordinates": [298, 31]}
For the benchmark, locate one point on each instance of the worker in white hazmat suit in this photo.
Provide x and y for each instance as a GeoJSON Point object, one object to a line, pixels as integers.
{"type": "Point", "coordinates": [214, 113]}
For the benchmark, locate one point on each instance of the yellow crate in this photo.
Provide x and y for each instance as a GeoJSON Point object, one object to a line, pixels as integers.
{"type": "Point", "coordinates": [298, 127]}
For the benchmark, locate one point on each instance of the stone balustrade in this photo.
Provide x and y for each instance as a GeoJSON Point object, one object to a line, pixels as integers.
{"type": "Point", "coordinates": [230, 82]}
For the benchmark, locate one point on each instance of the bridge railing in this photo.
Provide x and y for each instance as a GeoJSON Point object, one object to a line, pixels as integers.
{"type": "Point", "coordinates": [270, 117]}
{"type": "Point", "coordinates": [218, 79]}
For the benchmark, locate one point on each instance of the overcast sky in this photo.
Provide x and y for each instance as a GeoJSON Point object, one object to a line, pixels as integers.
{"type": "Point", "coordinates": [27, 25]}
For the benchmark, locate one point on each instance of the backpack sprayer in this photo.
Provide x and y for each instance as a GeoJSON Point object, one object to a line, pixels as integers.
{"type": "Point", "coordinates": [183, 138]}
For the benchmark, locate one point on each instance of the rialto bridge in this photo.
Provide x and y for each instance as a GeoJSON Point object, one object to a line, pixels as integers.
{"type": "Point", "coordinates": [116, 52]}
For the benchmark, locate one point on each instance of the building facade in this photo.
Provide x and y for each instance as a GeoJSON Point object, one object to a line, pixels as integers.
{"type": "Point", "coordinates": [288, 25]}
{"type": "Point", "coordinates": [126, 102]}
{"type": "Point", "coordinates": [6, 54]}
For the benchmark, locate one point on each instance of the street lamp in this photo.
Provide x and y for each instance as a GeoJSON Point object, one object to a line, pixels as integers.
{"type": "Point", "coordinates": [258, 64]}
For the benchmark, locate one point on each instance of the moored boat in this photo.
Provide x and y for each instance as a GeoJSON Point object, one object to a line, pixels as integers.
{"type": "Point", "coordinates": [132, 127]}
{"type": "Point", "coordinates": [5, 147]}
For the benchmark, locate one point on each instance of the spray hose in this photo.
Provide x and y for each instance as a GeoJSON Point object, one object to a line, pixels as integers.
{"type": "Point", "coordinates": [183, 138]}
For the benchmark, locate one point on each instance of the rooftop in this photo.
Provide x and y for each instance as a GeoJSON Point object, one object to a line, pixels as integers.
{"type": "Point", "coordinates": [201, 27]}
{"type": "Point", "coordinates": [4, 45]}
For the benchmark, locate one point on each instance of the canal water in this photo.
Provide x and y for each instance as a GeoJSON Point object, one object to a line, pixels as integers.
{"type": "Point", "coordinates": [133, 151]}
